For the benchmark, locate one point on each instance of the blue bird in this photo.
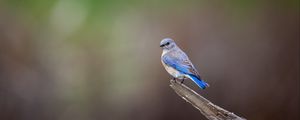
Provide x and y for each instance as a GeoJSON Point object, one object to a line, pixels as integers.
{"type": "Point", "coordinates": [177, 63]}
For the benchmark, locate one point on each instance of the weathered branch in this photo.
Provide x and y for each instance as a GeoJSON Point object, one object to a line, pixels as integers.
{"type": "Point", "coordinates": [207, 108]}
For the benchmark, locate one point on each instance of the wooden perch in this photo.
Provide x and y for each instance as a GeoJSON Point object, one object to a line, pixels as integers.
{"type": "Point", "coordinates": [207, 108]}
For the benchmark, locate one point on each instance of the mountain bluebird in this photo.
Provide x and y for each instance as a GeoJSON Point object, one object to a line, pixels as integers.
{"type": "Point", "coordinates": [177, 63]}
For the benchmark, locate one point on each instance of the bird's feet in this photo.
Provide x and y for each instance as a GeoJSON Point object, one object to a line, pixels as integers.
{"type": "Point", "coordinates": [174, 80]}
{"type": "Point", "coordinates": [182, 81]}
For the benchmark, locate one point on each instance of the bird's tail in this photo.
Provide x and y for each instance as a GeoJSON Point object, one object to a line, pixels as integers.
{"type": "Point", "coordinates": [198, 81]}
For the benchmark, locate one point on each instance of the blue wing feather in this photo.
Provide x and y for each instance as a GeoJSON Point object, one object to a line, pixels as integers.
{"type": "Point", "coordinates": [185, 69]}
{"type": "Point", "coordinates": [175, 63]}
{"type": "Point", "coordinates": [198, 81]}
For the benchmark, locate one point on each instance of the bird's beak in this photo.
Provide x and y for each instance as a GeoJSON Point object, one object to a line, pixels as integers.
{"type": "Point", "coordinates": [161, 45]}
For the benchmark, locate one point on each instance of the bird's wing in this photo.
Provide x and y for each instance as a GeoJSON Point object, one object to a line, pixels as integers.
{"type": "Point", "coordinates": [179, 61]}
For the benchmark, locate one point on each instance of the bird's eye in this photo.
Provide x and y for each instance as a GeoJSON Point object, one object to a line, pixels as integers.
{"type": "Point", "coordinates": [167, 43]}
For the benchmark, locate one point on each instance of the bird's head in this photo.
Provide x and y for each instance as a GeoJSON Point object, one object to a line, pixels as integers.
{"type": "Point", "coordinates": [167, 44]}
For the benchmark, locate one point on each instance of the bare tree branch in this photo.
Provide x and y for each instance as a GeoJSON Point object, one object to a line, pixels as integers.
{"type": "Point", "coordinates": [207, 108]}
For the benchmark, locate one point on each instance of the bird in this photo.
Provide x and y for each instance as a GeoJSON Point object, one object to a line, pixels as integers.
{"type": "Point", "coordinates": [177, 63]}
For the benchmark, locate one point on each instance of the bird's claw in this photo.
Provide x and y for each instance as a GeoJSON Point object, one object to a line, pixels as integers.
{"type": "Point", "coordinates": [182, 81]}
{"type": "Point", "coordinates": [174, 80]}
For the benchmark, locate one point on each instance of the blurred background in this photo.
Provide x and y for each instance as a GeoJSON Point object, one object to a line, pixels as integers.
{"type": "Point", "coordinates": [100, 59]}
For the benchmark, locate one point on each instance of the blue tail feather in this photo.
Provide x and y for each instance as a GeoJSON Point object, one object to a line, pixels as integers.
{"type": "Point", "coordinates": [198, 81]}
